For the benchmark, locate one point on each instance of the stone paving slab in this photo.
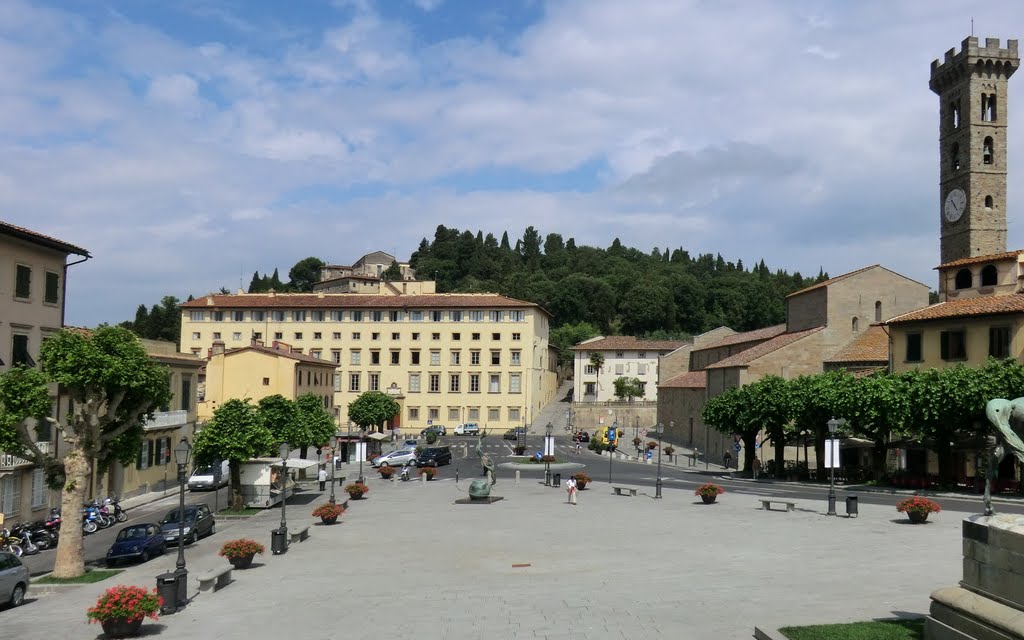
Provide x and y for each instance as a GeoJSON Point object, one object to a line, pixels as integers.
{"type": "Point", "coordinates": [608, 568]}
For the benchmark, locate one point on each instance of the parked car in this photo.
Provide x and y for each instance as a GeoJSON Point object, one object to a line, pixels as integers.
{"type": "Point", "coordinates": [209, 477]}
{"type": "Point", "coordinates": [199, 522]}
{"type": "Point", "coordinates": [436, 428]}
{"type": "Point", "coordinates": [14, 579]}
{"type": "Point", "coordinates": [584, 436]}
{"type": "Point", "coordinates": [513, 434]}
{"type": "Point", "coordinates": [434, 457]}
{"type": "Point", "coordinates": [468, 429]}
{"type": "Point", "coordinates": [410, 444]}
{"type": "Point", "coordinates": [137, 542]}
{"type": "Point", "coordinates": [396, 458]}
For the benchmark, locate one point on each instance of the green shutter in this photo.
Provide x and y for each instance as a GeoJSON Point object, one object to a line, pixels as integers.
{"type": "Point", "coordinates": [52, 294]}
{"type": "Point", "coordinates": [23, 282]}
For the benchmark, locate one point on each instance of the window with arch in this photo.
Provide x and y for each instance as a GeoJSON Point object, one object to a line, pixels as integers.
{"type": "Point", "coordinates": [954, 156]}
{"type": "Point", "coordinates": [878, 310]}
{"type": "Point", "coordinates": [853, 324]}
{"type": "Point", "coordinates": [963, 279]}
{"type": "Point", "coordinates": [988, 275]}
{"type": "Point", "coordinates": [988, 107]}
{"type": "Point", "coordinates": [987, 150]}
{"type": "Point", "coordinates": [954, 114]}
{"type": "Point", "coordinates": [989, 202]}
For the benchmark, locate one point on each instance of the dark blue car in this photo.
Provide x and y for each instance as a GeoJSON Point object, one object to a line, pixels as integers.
{"type": "Point", "coordinates": [137, 542]}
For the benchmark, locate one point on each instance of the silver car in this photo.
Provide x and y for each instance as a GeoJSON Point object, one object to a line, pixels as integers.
{"type": "Point", "coordinates": [13, 579]}
{"type": "Point", "coordinates": [396, 458]}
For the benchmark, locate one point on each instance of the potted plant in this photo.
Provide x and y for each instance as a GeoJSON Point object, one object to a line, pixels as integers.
{"type": "Point", "coordinates": [328, 512]}
{"type": "Point", "coordinates": [519, 450]}
{"type": "Point", "coordinates": [356, 490]}
{"type": "Point", "coordinates": [121, 610]}
{"type": "Point", "coordinates": [241, 552]}
{"type": "Point", "coordinates": [548, 458]}
{"type": "Point", "coordinates": [652, 445]}
{"type": "Point", "coordinates": [708, 492]}
{"type": "Point", "coordinates": [637, 441]}
{"type": "Point", "coordinates": [429, 472]}
{"type": "Point", "coordinates": [386, 471]}
{"type": "Point", "coordinates": [581, 480]}
{"type": "Point", "coordinates": [917, 508]}
{"type": "Point", "coordinates": [669, 450]}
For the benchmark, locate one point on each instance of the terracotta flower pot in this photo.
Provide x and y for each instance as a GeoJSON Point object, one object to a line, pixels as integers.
{"type": "Point", "coordinates": [917, 517]}
{"type": "Point", "coordinates": [708, 499]}
{"type": "Point", "coordinates": [120, 628]}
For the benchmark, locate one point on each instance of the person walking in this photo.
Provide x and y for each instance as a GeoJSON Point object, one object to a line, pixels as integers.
{"type": "Point", "coordinates": [322, 477]}
{"type": "Point", "coordinates": [726, 459]}
{"type": "Point", "coordinates": [570, 486]}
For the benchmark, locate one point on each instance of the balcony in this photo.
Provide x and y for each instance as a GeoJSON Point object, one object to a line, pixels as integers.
{"type": "Point", "coordinates": [167, 419]}
{"type": "Point", "coordinates": [8, 461]}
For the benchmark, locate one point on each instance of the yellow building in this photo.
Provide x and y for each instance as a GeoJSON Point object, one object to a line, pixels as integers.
{"type": "Point", "coordinates": [258, 371]}
{"type": "Point", "coordinates": [445, 358]}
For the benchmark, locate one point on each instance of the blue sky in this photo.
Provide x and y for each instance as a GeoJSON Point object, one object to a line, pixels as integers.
{"type": "Point", "coordinates": [189, 143]}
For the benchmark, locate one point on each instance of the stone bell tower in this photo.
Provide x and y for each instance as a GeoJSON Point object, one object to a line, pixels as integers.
{"type": "Point", "coordinates": [973, 109]}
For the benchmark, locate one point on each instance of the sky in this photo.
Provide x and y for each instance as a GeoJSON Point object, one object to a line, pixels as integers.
{"type": "Point", "coordinates": [188, 143]}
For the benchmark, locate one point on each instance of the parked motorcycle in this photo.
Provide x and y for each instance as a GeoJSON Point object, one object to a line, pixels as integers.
{"type": "Point", "coordinates": [10, 543]}
{"type": "Point", "coordinates": [102, 517]}
{"type": "Point", "coordinates": [52, 525]}
{"type": "Point", "coordinates": [41, 535]}
{"type": "Point", "coordinates": [28, 545]}
{"type": "Point", "coordinates": [119, 514]}
{"type": "Point", "coordinates": [89, 519]}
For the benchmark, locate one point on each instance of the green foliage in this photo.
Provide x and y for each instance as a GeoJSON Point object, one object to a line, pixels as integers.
{"type": "Point", "coordinates": [280, 417]}
{"type": "Point", "coordinates": [316, 423]}
{"type": "Point", "coordinates": [565, 337]}
{"type": "Point", "coordinates": [161, 322]}
{"type": "Point", "coordinates": [392, 273]}
{"type": "Point", "coordinates": [235, 433]}
{"type": "Point", "coordinates": [628, 388]}
{"type": "Point", "coordinates": [874, 630]}
{"type": "Point", "coordinates": [305, 274]}
{"type": "Point", "coordinates": [372, 408]}
{"type": "Point", "coordinates": [431, 437]}
{"type": "Point", "coordinates": [23, 395]}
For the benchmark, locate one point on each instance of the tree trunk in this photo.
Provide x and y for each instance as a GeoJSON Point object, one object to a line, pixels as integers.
{"type": "Point", "coordinates": [70, 561]}
{"type": "Point", "coordinates": [878, 454]}
{"type": "Point", "coordinates": [748, 453]}
{"type": "Point", "coordinates": [944, 449]}
{"type": "Point", "coordinates": [819, 452]}
{"type": "Point", "coordinates": [780, 455]}
{"type": "Point", "coordinates": [235, 471]}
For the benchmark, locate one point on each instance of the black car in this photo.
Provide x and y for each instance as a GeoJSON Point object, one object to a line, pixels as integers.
{"type": "Point", "coordinates": [583, 436]}
{"type": "Point", "coordinates": [513, 434]}
{"type": "Point", "coordinates": [434, 457]}
{"type": "Point", "coordinates": [199, 522]}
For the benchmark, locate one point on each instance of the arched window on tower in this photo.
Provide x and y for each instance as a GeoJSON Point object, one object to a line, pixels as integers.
{"type": "Point", "coordinates": [954, 156]}
{"type": "Point", "coordinates": [987, 150]}
{"type": "Point", "coordinates": [853, 324]}
{"type": "Point", "coordinates": [989, 202]}
{"type": "Point", "coordinates": [988, 275]}
{"type": "Point", "coordinates": [878, 310]}
{"type": "Point", "coordinates": [954, 114]}
{"type": "Point", "coordinates": [988, 107]}
{"type": "Point", "coordinates": [963, 279]}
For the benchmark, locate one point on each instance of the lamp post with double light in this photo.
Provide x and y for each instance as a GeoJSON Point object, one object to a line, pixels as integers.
{"type": "Point", "coordinates": [657, 484]}
{"type": "Point", "coordinates": [284, 488]}
{"type": "Point", "coordinates": [182, 455]}
{"type": "Point", "coordinates": [547, 456]}
{"type": "Point", "coordinates": [334, 452]}
{"type": "Point", "coordinates": [831, 456]}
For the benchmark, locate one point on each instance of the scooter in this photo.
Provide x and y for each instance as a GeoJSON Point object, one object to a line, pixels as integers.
{"type": "Point", "coordinates": [89, 516]}
{"type": "Point", "coordinates": [10, 543]}
{"type": "Point", "coordinates": [119, 514]}
{"type": "Point", "coordinates": [28, 546]}
{"type": "Point", "coordinates": [404, 477]}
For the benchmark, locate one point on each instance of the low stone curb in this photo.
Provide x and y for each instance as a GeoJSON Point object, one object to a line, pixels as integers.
{"type": "Point", "coordinates": [772, 634]}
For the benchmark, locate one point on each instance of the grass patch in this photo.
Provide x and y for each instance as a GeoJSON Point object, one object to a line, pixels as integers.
{"type": "Point", "coordinates": [91, 575]}
{"type": "Point", "coordinates": [244, 511]}
{"type": "Point", "coordinates": [912, 629]}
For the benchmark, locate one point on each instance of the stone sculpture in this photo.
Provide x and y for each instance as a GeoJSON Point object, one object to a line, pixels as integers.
{"type": "Point", "coordinates": [1003, 414]}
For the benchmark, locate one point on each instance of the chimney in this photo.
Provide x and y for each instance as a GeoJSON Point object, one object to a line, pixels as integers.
{"type": "Point", "coordinates": [218, 348]}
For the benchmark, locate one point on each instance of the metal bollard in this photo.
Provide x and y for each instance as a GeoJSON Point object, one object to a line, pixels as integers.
{"type": "Point", "coordinates": [517, 476]}
{"type": "Point", "coordinates": [557, 480]}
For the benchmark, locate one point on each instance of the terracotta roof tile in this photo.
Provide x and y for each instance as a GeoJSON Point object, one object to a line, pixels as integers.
{"type": "Point", "coordinates": [966, 307]}
{"type": "Point", "coordinates": [870, 346]}
{"type": "Point", "coordinates": [31, 236]}
{"type": "Point", "coordinates": [688, 380]}
{"type": "Point", "coordinates": [993, 257]}
{"type": "Point", "coordinates": [825, 283]}
{"type": "Point", "coordinates": [766, 333]}
{"type": "Point", "coordinates": [300, 357]}
{"type": "Point", "coordinates": [747, 356]}
{"type": "Point", "coordinates": [628, 343]}
{"type": "Point", "coordinates": [355, 301]}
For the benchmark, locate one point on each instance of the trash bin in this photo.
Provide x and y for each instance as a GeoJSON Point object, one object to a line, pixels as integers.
{"type": "Point", "coordinates": [557, 480]}
{"type": "Point", "coordinates": [167, 589]}
{"type": "Point", "coordinates": [851, 506]}
{"type": "Point", "coordinates": [278, 541]}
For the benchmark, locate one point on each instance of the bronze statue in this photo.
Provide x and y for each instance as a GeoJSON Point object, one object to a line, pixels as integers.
{"type": "Point", "coordinates": [1003, 414]}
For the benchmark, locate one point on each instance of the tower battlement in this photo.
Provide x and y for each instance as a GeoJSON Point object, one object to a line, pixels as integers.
{"type": "Point", "coordinates": [990, 59]}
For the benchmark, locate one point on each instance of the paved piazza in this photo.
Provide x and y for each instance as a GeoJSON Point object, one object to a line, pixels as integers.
{"type": "Point", "coordinates": [409, 563]}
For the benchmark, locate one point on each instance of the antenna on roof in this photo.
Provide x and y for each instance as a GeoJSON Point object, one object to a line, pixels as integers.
{"type": "Point", "coordinates": [972, 26]}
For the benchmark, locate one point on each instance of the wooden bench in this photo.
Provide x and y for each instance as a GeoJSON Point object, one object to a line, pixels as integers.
{"type": "Point", "coordinates": [619, 491]}
{"type": "Point", "coordinates": [766, 504]}
{"type": "Point", "coordinates": [215, 579]}
{"type": "Point", "coordinates": [301, 535]}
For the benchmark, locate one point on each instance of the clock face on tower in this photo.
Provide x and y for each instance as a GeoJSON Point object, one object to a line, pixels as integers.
{"type": "Point", "coordinates": [956, 202]}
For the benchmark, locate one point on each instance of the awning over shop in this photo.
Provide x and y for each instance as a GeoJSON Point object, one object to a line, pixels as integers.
{"type": "Point", "coordinates": [378, 436]}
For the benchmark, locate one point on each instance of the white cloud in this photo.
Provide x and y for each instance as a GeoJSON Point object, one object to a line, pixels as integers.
{"type": "Point", "coordinates": [428, 5]}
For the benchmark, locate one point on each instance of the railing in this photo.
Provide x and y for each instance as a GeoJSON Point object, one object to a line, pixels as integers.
{"type": "Point", "coordinates": [164, 419]}
{"type": "Point", "coordinates": [615, 403]}
{"type": "Point", "coordinates": [8, 461]}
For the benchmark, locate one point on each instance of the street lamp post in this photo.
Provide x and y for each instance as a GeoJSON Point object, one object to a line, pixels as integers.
{"type": "Point", "coordinates": [833, 424]}
{"type": "Point", "coordinates": [334, 452]}
{"type": "Point", "coordinates": [657, 485]}
{"type": "Point", "coordinates": [361, 448]}
{"type": "Point", "coordinates": [547, 458]}
{"type": "Point", "coordinates": [568, 420]}
{"type": "Point", "coordinates": [707, 444]}
{"type": "Point", "coordinates": [182, 454]}
{"type": "Point", "coordinates": [284, 489]}
{"type": "Point", "coordinates": [612, 442]}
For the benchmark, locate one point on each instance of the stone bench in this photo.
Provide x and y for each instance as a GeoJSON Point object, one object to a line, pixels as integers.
{"type": "Point", "coordinates": [215, 579]}
{"type": "Point", "coordinates": [766, 504]}
{"type": "Point", "coordinates": [619, 491]}
{"type": "Point", "coordinates": [300, 535]}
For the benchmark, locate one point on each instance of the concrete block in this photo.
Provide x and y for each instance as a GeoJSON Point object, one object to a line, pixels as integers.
{"type": "Point", "coordinates": [1006, 539]}
{"type": "Point", "coordinates": [975, 616]}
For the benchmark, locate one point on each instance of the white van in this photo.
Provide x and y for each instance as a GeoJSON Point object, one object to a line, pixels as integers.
{"type": "Point", "coordinates": [210, 477]}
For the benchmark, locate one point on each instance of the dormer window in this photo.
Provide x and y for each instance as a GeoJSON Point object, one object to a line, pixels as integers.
{"type": "Point", "coordinates": [964, 279]}
{"type": "Point", "coordinates": [989, 275]}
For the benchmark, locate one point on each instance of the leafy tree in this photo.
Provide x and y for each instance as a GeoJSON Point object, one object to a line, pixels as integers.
{"type": "Point", "coordinates": [392, 273]}
{"type": "Point", "coordinates": [316, 425]}
{"type": "Point", "coordinates": [279, 416]}
{"type": "Point", "coordinates": [628, 388]}
{"type": "Point", "coordinates": [304, 274]}
{"type": "Point", "coordinates": [769, 405]}
{"type": "Point", "coordinates": [565, 337]}
{"type": "Point", "coordinates": [880, 411]}
{"type": "Point", "coordinates": [816, 400]}
{"type": "Point", "coordinates": [597, 361]}
{"type": "Point", "coordinates": [114, 388]}
{"type": "Point", "coordinates": [161, 322]}
{"type": "Point", "coordinates": [372, 408]}
{"type": "Point", "coordinates": [236, 433]}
